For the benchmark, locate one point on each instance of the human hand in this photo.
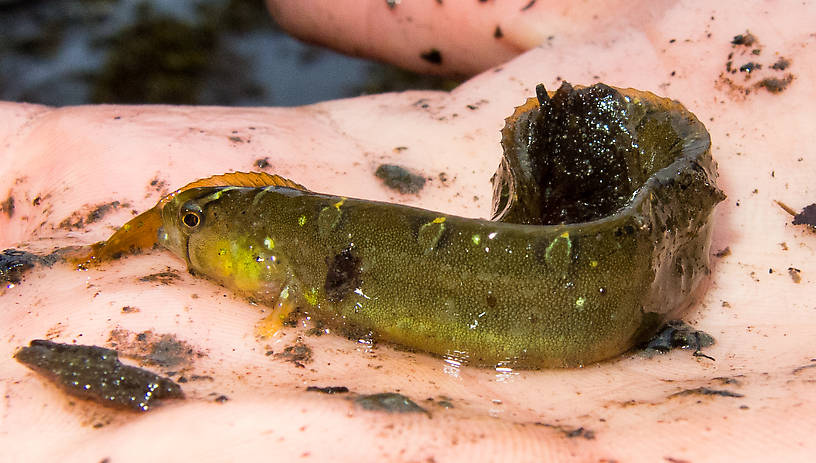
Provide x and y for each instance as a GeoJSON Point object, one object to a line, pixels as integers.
{"type": "Point", "coordinates": [77, 159]}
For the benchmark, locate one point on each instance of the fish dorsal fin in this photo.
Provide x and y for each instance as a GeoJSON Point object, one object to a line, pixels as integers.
{"type": "Point", "coordinates": [247, 179]}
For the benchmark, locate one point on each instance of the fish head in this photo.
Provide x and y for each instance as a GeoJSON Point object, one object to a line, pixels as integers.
{"type": "Point", "coordinates": [181, 216]}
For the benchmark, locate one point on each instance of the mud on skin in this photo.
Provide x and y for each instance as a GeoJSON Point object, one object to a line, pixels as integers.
{"type": "Point", "coordinates": [601, 230]}
{"type": "Point", "coordinates": [95, 373]}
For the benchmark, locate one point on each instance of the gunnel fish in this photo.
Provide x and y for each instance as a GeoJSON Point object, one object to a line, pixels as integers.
{"type": "Point", "coordinates": [600, 231]}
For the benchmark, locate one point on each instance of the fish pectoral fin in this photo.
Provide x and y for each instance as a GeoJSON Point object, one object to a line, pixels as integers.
{"type": "Point", "coordinates": [273, 322]}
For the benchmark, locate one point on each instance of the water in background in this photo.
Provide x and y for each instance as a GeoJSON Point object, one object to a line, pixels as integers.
{"type": "Point", "coordinates": [210, 52]}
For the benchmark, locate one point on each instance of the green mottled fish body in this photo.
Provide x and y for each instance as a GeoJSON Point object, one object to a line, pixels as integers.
{"type": "Point", "coordinates": [488, 292]}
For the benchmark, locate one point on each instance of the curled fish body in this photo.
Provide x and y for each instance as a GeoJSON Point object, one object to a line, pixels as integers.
{"type": "Point", "coordinates": [511, 291]}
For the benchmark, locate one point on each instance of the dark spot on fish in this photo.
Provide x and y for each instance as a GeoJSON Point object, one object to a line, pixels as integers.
{"type": "Point", "coordinates": [262, 163]}
{"type": "Point", "coordinates": [390, 402]}
{"type": "Point", "coordinates": [491, 301]}
{"type": "Point", "coordinates": [724, 252]}
{"type": "Point", "coordinates": [95, 373]}
{"type": "Point", "coordinates": [497, 33]}
{"type": "Point", "coordinates": [707, 391]}
{"type": "Point", "coordinates": [676, 334]}
{"type": "Point", "coordinates": [747, 39]}
{"type": "Point", "coordinates": [432, 56]}
{"type": "Point", "coordinates": [7, 206]}
{"type": "Point", "coordinates": [166, 277]}
{"type": "Point", "coordinates": [570, 432]}
{"type": "Point", "coordinates": [775, 85]}
{"type": "Point", "coordinates": [806, 217]}
{"type": "Point", "coordinates": [781, 64]}
{"type": "Point", "coordinates": [298, 354]}
{"type": "Point", "coordinates": [328, 389]}
{"type": "Point", "coordinates": [399, 178]}
{"type": "Point", "coordinates": [343, 275]}
{"type": "Point", "coordinates": [795, 274]}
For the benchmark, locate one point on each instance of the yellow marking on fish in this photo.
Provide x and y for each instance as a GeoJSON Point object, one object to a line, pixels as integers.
{"type": "Point", "coordinates": [562, 237]}
{"type": "Point", "coordinates": [311, 296]}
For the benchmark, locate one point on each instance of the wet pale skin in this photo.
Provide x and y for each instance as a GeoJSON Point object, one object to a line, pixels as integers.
{"type": "Point", "coordinates": [763, 335]}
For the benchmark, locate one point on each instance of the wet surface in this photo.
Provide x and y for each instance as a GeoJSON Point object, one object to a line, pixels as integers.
{"type": "Point", "coordinates": [95, 373]}
{"type": "Point", "coordinates": [390, 402]}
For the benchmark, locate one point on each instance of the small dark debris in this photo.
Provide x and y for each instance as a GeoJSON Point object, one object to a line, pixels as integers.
{"type": "Point", "coordinates": [328, 389]}
{"type": "Point", "coordinates": [14, 263]}
{"type": "Point", "coordinates": [746, 39]}
{"type": "Point", "coordinates": [77, 221]}
{"type": "Point", "coordinates": [392, 3]}
{"type": "Point", "coordinates": [795, 274]}
{"type": "Point", "coordinates": [95, 373]}
{"type": "Point", "coordinates": [677, 334]}
{"type": "Point", "coordinates": [299, 354]}
{"type": "Point", "coordinates": [570, 433]}
{"type": "Point", "coordinates": [798, 370]}
{"type": "Point", "coordinates": [262, 163]}
{"type": "Point", "coordinates": [497, 33]}
{"type": "Point", "coordinates": [806, 217]}
{"type": "Point", "coordinates": [166, 277]}
{"type": "Point", "coordinates": [775, 85]}
{"type": "Point", "coordinates": [7, 206]}
{"type": "Point", "coordinates": [221, 399]}
{"type": "Point", "coordinates": [390, 402]}
{"type": "Point", "coordinates": [201, 378]}
{"type": "Point", "coordinates": [781, 64]}
{"type": "Point", "coordinates": [432, 56]}
{"type": "Point", "coordinates": [707, 391]}
{"type": "Point", "coordinates": [163, 350]}
{"type": "Point", "coordinates": [725, 252]}
{"type": "Point", "coordinates": [528, 6]}
{"type": "Point", "coordinates": [399, 178]}
{"type": "Point", "coordinates": [36, 201]}
{"type": "Point", "coordinates": [727, 380]}
{"type": "Point", "coordinates": [750, 67]}
{"type": "Point", "coordinates": [129, 309]}
{"type": "Point", "coordinates": [236, 139]}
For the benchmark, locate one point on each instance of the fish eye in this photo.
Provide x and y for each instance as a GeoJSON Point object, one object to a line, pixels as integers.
{"type": "Point", "coordinates": [191, 216]}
